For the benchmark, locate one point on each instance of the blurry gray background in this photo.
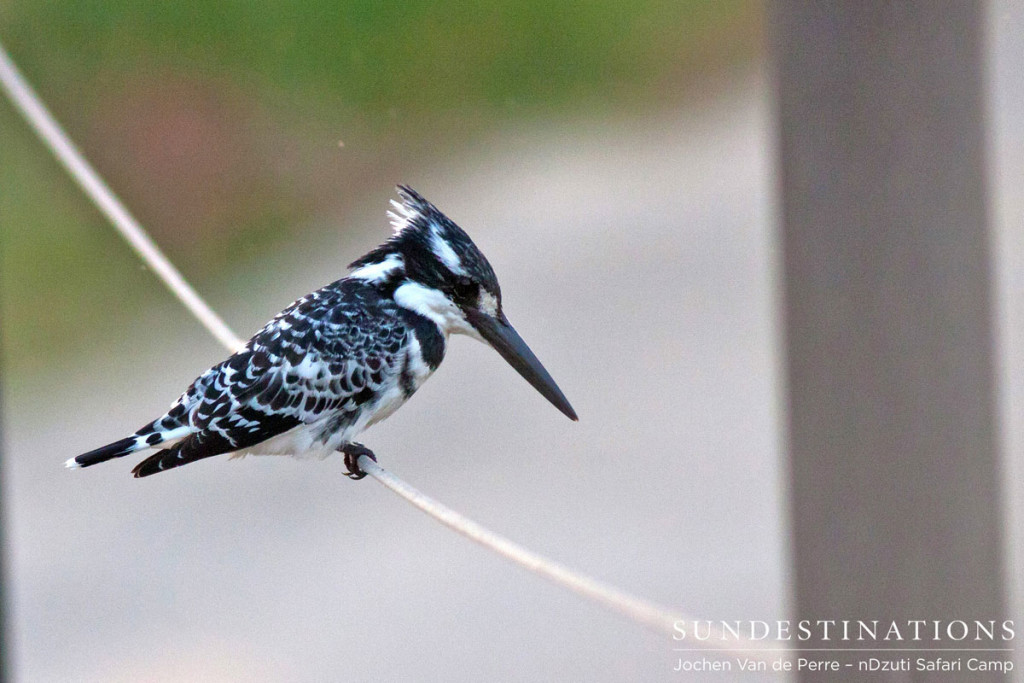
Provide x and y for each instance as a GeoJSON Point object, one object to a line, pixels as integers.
{"type": "Point", "coordinates": [630, 220]}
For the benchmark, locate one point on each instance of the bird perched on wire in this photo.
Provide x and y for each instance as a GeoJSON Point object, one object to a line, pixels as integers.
{"type": "Point", "coordinates": [343, 357]}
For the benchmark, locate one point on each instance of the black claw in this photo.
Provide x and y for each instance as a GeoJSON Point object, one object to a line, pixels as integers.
{"type": "Point", "coordinates": [352, 452]}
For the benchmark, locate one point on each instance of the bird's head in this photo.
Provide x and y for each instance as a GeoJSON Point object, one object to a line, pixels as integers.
{"type": "Point", "coordinates": [433, 268]}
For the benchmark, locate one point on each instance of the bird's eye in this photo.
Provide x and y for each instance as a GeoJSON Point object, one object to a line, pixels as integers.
{"type": "Point", "coordinates": [464, 288]}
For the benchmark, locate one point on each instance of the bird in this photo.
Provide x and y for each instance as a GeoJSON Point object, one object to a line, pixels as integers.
{"type": "Point", "coordinates": [343, 357]}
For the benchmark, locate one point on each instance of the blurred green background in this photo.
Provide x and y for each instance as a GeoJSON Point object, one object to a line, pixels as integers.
{"type": "Point", "coordinates": [229, 128]}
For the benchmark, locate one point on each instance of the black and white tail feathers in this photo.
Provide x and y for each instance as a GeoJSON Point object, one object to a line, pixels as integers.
{"type": "Point", "coordinates": [137, 442]}
{"type": "Point", "coordinates": [103, 453]}
{"type": "Point", "coordinates": [168, 458]}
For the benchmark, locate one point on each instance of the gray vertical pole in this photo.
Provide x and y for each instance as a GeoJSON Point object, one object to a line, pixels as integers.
{"type": "Point", "coordinates": [5, 640]}
{"type": "Point", "coordinates": [888, 313]}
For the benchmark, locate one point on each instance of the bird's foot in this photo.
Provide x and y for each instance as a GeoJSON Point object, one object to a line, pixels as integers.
{"type": "Point", "coordinates": [352, 452]}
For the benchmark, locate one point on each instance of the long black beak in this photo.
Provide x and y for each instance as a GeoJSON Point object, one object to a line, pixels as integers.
{"type": "Point", "coordinates": [500, 334]}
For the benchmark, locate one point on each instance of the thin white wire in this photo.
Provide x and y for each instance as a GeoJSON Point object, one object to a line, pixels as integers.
{"type": "Point", "coordinates": [636, 609]}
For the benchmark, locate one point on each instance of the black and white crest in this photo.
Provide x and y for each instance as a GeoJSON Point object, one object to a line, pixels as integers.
{"type": "Point", "coordinates": [431, 248]}
{"type": "Point", "coordinates": [343, 357]}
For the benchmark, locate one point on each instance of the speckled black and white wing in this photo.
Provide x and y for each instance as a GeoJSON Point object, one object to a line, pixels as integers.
{"type": "Point", "coordinates": [326, 367]}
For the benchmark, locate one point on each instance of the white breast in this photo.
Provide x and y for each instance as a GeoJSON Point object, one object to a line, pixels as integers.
{"type": "Point", "coordinates": [392, 398]}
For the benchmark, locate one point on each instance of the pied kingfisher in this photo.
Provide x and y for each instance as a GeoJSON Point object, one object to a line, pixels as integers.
{"type": "Point", "coordinates": [344, 357]}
